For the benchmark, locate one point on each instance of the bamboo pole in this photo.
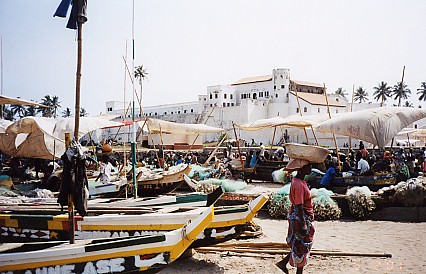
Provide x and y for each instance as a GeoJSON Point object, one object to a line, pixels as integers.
{"type": "Point", "coordinates": [399, 102]}
{"type": "Point", "coordinates": [272, 143]}
{"type": "Point", "coordinates": [334, 136]}
{"type": "Point", "coordinates": [352, 104]}
{"type": "Point", "coordinates": [300, 112]}
{"type": "Point", "coordinates": [71, 212]}
{"type": "Point", "coordinates": [214, 151]}
{"type": "Point", "coordinates": [238, 146]}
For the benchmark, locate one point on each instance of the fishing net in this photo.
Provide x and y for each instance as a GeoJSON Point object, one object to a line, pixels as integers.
{"type": "Point", "coordinates": [325, 208]}
{"type": "Point", "coordinates": [199, 173]}
{"type": "Point", "coordinates": [279, 205]}
{"type": "Point", "coordinates": [360, 203]}
{"type": "Point", "coordinates": [227, 184]}
{"type": "Point", "coordinates": [411, 193]}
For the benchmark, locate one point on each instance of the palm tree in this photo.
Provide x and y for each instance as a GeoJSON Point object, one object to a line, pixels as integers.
{"type": "Point", "coordinates": [401, 91]}
{"type": "Point", "coordinates": [46, 111]}
{"type": "Point", "coordinates": [408, 104]}
{"type": "Point", "coordinates": [83, 112]}
{"type": "Point", "coordinates": [361, 95]}
{"type": "Point", "coordinates": [140, 74]}
{"type": "Point", "coordinates": [55, 105]}
{"type": "Point", "coordinates": [31, 111]}
{"type": "Point", "coordinates": [7, 113]}
{"type": "Point", "coordinates": [341, 91]}
{"type": "Point", "coordinates": [66, 113]}
{"type": "Point", "coordinates": [382, 92]}
{"type": "Point", "coordinates": [18, 110]}
{"type": "Point", "coordinates": [422, 92]}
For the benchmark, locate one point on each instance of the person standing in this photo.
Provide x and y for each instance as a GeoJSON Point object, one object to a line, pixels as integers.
{"type": "Point", "coordinates": [301, 231]}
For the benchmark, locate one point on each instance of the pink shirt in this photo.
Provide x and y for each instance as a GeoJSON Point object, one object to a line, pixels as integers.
{"type": "Point", "coordinates": [300, 194]}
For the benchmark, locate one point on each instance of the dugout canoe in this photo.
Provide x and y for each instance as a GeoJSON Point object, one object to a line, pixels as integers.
{"type": "Point", "coordinates": [111, 255]}
{"type": "Point", "coordinates": [165, 182]}
{"type": "Point", "coordinates": [228, 223]}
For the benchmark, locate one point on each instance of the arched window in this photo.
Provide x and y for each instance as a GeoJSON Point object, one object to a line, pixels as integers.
{"type": "Point", "coordinates": [297, 110]}
{"type": "Point", "coordinates": [305, 109]}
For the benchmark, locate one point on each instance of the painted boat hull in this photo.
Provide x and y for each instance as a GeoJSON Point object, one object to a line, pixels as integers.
{"type": "Point", "coordinates": [229, 222]}
{"type": "Point", "coordinates": [165, 184]}
{"type": "Point", "coordinates": [121, 255]}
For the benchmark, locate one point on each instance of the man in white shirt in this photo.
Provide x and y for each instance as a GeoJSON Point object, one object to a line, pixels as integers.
{"type": "Point", "coordinates": [363, 165]}
{"type": "Point", "coordinates": [105, 170]}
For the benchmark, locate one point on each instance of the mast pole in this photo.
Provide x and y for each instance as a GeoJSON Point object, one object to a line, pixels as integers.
{"type": "Point", "coordinates": [133, 143]}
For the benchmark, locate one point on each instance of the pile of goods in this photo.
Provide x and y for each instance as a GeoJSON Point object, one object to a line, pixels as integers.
{"type": "Point", "coordinates": [325, 208]}
{"type": "Point", "coordinates": [409, 193]}
{"type": "Point", "coordinates": [205, 187]}
{"type": "Point", "coordinates": [279, 205]}
{"type": "Point", "coordinates": [360, 203]}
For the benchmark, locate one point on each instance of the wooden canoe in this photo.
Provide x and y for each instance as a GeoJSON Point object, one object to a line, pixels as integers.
{"type": "Point", "coordinates": [112, 255]}
{"type": "Point", "coordinates": [165, 183]}
{"type": "Point", "coordinates": [228, 223]}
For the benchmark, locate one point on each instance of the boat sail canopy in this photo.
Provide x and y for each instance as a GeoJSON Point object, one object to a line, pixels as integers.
{"type": "Point", "coordinates": [157, 126]}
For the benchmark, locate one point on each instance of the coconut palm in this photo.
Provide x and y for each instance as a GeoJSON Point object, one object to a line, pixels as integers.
{"type": "Point", "coordinates": [140, 74]}
{"type": "Point", "coordinates": [401, 91]}
{"type": "Point", "coordinates": [422, 92]}
{"type": "Point", "coordinates": [49, 110]}
{"type": "Point", "coordinates": [7, 113]}
{"type": "Point", "coordinates": [66, 113]}
{"type": "Point", "coordinates": [55, 105]}
{"type": "Point", "coordinates": [382, 92]}
{"type": "Point", "coordinates": [31, 111]}
{"type": "Point", "coordinates": [408, 104]}
{"type": "Point", "coordinates": [341, 91]}
{"type": "Point", "coordinates": [83, 112]}
{"type": "Point", "coordinates": [18, 110]}
{"type": "Point", "coordinates": [361, 95]}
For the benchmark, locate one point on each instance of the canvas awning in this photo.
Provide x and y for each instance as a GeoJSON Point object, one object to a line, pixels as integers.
{"type": "Point", "coordinates": [377, 125]}
{"type": "Point", "coordinates": [157, 126]}
{"type": "Point", "coordinates": [5, 100]}
{"type": "Point", "coordinates": [40, 137]}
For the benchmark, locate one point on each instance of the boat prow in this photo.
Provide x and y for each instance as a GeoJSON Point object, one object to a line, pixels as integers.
{"type": "Point", "coordinates": [128, 254]}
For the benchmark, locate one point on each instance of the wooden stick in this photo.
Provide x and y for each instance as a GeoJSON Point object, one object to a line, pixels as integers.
{"type": "Point", "coordinates": [238, 146]}
{"type": "Point", "coordinates": [334, 136]}
{"type": "Point", "coordinates": [214, 151]}
{"type": "Point", "coordinates": [282, 251]}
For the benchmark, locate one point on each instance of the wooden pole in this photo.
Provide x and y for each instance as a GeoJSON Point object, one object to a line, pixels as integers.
{"type": "Point", "coordinates": [334, 136]}
{"type": "Point", "coordinates": [238, 145]}
{"type": "Point", "coordinates": [71, 213]}
{"type": "Point", "coordinates": [399, 101]}
{"type": "Point", "coordinates": [206, 163]}
{"type": "Point", "coordinates": [300, 112]}
{"type": "Point", "coordinates": [272, 143]}
{"type": "Point", "coordinates": [78, 80]}
{"type": "Point", "coordinates": [352, 103]}
{"type": "Point", "coordinates": [315, 136]}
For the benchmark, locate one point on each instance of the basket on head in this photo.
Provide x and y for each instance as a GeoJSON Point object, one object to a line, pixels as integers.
{"type": "Point", "coordinates": [313, 154]}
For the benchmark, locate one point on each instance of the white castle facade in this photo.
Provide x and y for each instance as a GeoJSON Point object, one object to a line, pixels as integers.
{"type": "Point", "coordinates": [247, 100]}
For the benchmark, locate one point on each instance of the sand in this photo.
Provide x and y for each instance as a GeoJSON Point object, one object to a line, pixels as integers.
{"type": "Point", "coordinates": [403, 240]}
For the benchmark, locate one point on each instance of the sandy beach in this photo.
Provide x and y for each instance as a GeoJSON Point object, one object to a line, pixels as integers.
{"type": "Point", "coordinates": [402, 240]}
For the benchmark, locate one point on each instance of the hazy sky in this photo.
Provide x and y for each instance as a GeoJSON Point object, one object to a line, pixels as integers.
{"type": "Point", "coordinates": [187, 45]}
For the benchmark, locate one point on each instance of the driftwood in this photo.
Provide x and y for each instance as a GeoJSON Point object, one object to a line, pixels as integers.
{"type": "Point", "coordinates": [276, 248]}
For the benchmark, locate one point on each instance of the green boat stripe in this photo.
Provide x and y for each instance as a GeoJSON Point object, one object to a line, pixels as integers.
{"type": "Point", "coordinates": [32, 221]}
{"type": "Point", "coordinates": [114, 243]}
{"type": "Point", "coordinates": [230, 210]}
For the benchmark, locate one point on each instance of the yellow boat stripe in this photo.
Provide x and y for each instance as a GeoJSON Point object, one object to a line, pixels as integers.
{"type": "Point", "coordinates": [102, 227]}
{"type": "Point", "coordinates": [175, 252]}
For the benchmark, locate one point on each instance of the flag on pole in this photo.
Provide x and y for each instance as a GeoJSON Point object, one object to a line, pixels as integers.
{"type": "Point", "coordinates": [78, 12]}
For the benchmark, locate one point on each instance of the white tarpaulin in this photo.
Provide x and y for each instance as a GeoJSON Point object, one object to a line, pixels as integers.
{"type": "Point", "coordinates": [39, 137]}
{"type": "Point", "coordinates": [292, 121]}
{"type": "Point", "coordinates": [4, 124]}
{"type": "Point", "coordinates": [157, 126]}
{"type": "Point", "coordinates": [5, 100]}
{"type": "Point", "coordinates": [377, 126]}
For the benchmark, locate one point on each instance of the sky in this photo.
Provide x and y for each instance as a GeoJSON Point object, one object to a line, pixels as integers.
{"type": "Point", "coordinates": [187, 45]}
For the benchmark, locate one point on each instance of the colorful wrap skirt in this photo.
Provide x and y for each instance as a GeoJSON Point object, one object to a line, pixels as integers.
{"type": "Point", "coordinates": [300, 245]}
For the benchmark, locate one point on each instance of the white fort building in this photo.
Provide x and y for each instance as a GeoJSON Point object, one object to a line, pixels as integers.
{"type": "Point", "coordinates": [247, 100]}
